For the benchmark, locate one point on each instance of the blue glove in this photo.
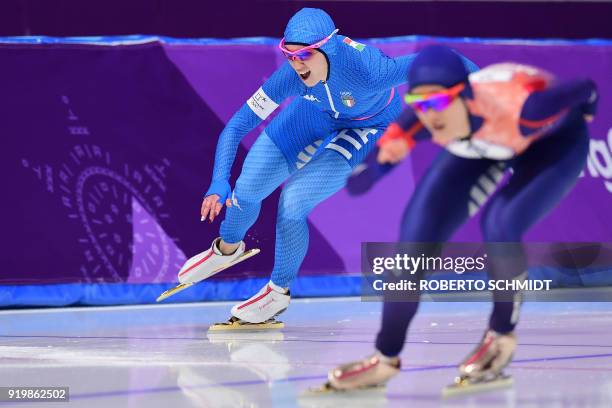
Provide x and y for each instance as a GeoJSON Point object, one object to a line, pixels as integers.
{"type": "Point", "coordinates": [221, 188]}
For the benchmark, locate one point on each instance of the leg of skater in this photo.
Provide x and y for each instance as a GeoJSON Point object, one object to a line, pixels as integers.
{"type": "Point", "coordinates": [264, 169]}
{"type": "Point", "coordinates": [542, 176]}
{"type": "Point", "coordinates": [306, 188]}
{"type": "Point", "coordinates": [440, 204]}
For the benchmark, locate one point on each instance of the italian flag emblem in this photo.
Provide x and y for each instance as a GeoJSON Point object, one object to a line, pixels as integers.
{"type": "Point", "coordinates": [354, 44]}
{"type": "Point", "coordinates": [347, 99]}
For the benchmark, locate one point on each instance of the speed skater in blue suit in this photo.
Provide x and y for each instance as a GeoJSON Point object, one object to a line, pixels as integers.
{"type": "Point", "coordinates": [344, 98]}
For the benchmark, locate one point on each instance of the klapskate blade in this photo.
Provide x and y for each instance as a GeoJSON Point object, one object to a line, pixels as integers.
{"type": "Point", "coordinates": [464, 389]}
{"type": "Point", "coordinates": [230, 326]}
{"type": "Point", "coordinates": [174, 291]}
{"type": "Point", "coordinates": [327, 388]}
{"type": "Point", "coordinates": [183, 286]}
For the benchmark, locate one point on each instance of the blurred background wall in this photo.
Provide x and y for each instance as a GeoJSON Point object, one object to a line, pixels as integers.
{"type": "Point", "coordinates": [362, 19]}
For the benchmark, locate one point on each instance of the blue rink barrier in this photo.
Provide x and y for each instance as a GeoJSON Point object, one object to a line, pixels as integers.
{"type": "Point", "coordinates": [79, 294]}
{"type": "Point", "coordinates": [74, 294]}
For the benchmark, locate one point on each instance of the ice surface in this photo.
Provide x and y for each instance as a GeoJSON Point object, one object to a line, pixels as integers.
{"type": "Point", "coordinates": [161, 356]}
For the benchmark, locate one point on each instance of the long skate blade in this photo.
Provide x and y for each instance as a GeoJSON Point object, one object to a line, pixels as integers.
{"type": "Point", "coordinates": [320, 390]}
{"type": "Point", "coordinates": [170, 292]}
{"type": "Point", "coordinates": [327, 388]}
{"type": "Point", "coordinates": [326, 396]}
{"type": "Point", "coordinates": [236, 325]}
{"type": "Point", "coordinates": [464, 388]}
{"type": "Point", "coordinates": [173, 291]}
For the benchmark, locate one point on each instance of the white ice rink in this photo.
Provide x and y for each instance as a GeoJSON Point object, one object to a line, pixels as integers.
{"type": "Point", "coordinates": [161, 356]}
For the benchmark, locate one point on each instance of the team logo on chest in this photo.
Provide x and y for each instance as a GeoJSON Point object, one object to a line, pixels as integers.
{"type": "Point", "coordinates": [311, 98]}
{"type": "Point", "coordinates": [347, 99]}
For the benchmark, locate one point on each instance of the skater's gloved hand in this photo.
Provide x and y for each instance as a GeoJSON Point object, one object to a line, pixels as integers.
{"type": "Point", "coordinates": [393, 151]}
{"type": "Point", "coordinates": [218, 192]}
{"type": "Point", "coordinates": [211, 207]}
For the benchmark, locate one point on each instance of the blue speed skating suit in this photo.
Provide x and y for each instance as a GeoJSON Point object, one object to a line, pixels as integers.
{"type": "Point", "coordinates": [313, 143]}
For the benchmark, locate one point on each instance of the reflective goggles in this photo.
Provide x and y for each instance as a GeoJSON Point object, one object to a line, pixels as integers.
{"type": "Point", "coordinates": [304, 53]}
{"type": "Point", "coordinates": [438, 101]}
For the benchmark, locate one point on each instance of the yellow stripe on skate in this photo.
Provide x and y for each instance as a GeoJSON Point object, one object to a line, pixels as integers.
{"type": "Point", "coordinates": [327, 388]}
{"type": "Point", "coordinates": [465, 388]}
{"type": "Point", "coordinates": [173, 291]}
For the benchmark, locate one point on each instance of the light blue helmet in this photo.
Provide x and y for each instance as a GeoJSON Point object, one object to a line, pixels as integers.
{"type": "Point", "coordinates": [310, 25]}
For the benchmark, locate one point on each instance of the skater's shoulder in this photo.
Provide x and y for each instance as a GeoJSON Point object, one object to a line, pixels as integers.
{"type": "Point", "coordinates": [355, 55]}
{"type": "Point", "coordinates": [362, 69]}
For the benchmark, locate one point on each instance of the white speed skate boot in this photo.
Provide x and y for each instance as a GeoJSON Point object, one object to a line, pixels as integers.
{"type": "Point", "coordinates": [206, 264]}
{"type": "Point", "coordinates": [258, 312]}
{"type": "Point", "coordinates": [482, 370]}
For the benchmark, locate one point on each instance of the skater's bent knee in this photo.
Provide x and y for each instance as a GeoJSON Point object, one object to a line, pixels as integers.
{"type": "Point", "coordinates": [294, 204]}
{"type": "Point", "coordinates": [245, 193]}
{"type": "Point", "coordinates": [290, 209]}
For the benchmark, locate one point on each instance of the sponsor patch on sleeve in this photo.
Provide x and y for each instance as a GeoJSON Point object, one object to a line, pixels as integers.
{"type": "Point", "coordinates": [262, 104]}
{"type": "Point", "coordinates": [354, 44]}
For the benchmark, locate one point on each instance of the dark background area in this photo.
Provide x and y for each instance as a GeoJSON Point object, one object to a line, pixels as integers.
{"type": "Point", "coordinates": [360, 19]}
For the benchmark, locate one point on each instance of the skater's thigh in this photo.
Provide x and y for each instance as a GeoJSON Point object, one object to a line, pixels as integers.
{"type": "Point", "coordinates": [316, 181]}
{"type": "Point", "coordinates": [298, 131]}
{"type": "Point", "coordinates": [263, 170]}
{"type": "Point", "coordinates": [541, 177]}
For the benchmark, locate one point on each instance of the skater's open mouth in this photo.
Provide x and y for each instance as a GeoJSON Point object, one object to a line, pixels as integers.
{"type": "Point", "coordinates": [304, 75]}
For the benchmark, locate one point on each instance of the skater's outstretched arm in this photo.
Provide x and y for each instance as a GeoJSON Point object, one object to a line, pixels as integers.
{"type": "Point", "coordinates": [283, 83]}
